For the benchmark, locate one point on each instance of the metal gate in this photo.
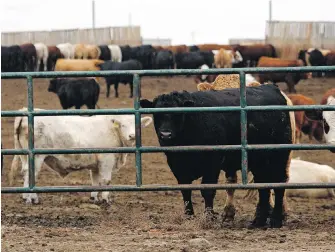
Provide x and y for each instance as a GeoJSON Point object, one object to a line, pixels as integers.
{"type": "Point", "coordinates": [139, 149]}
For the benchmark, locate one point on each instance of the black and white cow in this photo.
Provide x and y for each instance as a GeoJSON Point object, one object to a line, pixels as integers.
{"type": "Point", "coordinates": [223, 128]}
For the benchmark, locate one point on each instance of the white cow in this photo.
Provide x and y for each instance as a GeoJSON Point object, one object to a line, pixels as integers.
{"type": "Point", "coordinates": [61, 132]}
{"type": "Point", "coordinates": [301, 171]}
{"type": "Point", "coordinates": [116, 54]}
{"type": "Point", "coordinates": [328, 118]}
{"type": "Point", "coordinates": [67, 50]}
{"type": "Point", "coordinates": [42, 55]}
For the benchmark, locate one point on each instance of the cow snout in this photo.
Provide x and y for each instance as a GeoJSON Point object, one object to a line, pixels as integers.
{"type": "Point", "coordinates": [131, 136]}
{"type": "Point", "coordinates": [165, 135]}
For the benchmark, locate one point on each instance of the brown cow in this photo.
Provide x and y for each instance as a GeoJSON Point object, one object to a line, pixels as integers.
{"type": "Point", "coordinates": [176, 48]}
{"type": "Point", "coordinates": [211, 47]}
{"type": "Point", "coordinates": [312, 128]}
{"type": "Point", "coordinates": [29, 56]}
{"type": "Point", "coordinates": [291, 79]}
{"type": "Point", "coordinates": [252, 53]}
{"type": "Point", "coordinates": [54, 55]}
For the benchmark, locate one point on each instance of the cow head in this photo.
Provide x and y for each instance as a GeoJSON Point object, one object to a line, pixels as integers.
{"type": "Point", "coordinates": [125, 125]}
{"type": "Point", "coordinates": [169, 126]}
{"type": "Point", "coordinates": [328, 119]}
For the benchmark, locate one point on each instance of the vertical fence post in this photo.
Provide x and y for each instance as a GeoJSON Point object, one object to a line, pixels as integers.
{"type": "Point", "coordinates": [244, 142]}
{"type": "Point", "coordinates": [31, 155]}
{"type": "Point", "coordinates": [138, 138]}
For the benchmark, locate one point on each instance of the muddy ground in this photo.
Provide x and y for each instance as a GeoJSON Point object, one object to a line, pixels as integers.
{"type": "Point", "coordinates": [148, 221]}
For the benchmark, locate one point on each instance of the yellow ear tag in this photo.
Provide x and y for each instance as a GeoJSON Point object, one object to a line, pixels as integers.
{"type": "Point", "coordinates": [116, 125]}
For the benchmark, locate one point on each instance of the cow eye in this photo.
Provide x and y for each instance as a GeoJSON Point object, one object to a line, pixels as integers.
{"type": "Point", "coordinates": [326, 126]}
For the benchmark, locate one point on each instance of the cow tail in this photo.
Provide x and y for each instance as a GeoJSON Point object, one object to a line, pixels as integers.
{"type": "Point", "coordinates": [17, 145]}
{"type": "Point", "coordinates": [250, 192]}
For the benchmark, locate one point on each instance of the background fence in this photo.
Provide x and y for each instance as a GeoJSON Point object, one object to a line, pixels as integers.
{"type": "Point", "coordinates": [246, 41]}
{"type": "Point", "coordinates": [130, 35]}
{"type": "Point", "coordinates": [156, 41]}
{"type": "Point", "coordinates": [289, 37]}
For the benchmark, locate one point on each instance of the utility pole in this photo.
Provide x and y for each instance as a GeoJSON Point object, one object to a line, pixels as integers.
{"type": "Point", "coordinates": [270, 10]}
{"type": "Point", "coordinates": [93, 14]}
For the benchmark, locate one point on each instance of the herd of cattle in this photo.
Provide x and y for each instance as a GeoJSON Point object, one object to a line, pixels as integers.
{"type": "Point", "coordinates": [210, 128]}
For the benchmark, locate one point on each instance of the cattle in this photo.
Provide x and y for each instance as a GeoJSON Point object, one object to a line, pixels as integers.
{"type": "Point", "coordinates": [144, 54]}
{"type": "Point", "coordinates": [252, 53]}
{"type": "Point", "coordinates": [208, 57]}
{"type": "Point", "coordinates": [291, 79]}
{"type": "Point", "coordinates": [61, 132]}
{"type": "Point", "coordinates": [164, 59]}
{"type": "Point", "coordinates": [330, 61]}
{"type": "Point", "coordinates": [80, 51]}
{"type": "Point", "coordinates": [312, 57]}
{"type": "Point", "coordinates": [93, 51]}
{"type": "Point", "coordinates": [327, 117]}
{"type": "Point", "coordinates": [189, 60]}
{"type": "Point", "coordinates": [54, 55]}
{"type": "Point", "coordinates": [76, 92]}
{"type": "Point", "coordinates": [116, 53]}
{"type": "Point", "coordinates": [78, 65]}
{"type": "Point", "coordinates": [125, 52]}
{"type": "Point", "coordinates": [67, 49]}
{"type": "Point", "coordinates": [307, 172]}
{"type": "Point", "coordinates": [29, 56]}
{"type": "Point", "coordinates": [105, 53]}
{"type": "Point", "coordinates": [16, 59]}
{"type": "Point", "coordinates": [193, 48]}
{"type": "Point", "coordinates": [226, 58]}
{"type": "Point", "coordinates": [205, 77]}
{"type": "Point", "coordinates": [210, 47]}
{"type": "Point", "coordinates": [158, 47]}
{"type": "Point", "coordinates": [42, 55]}
{"type": "Point", "coordinates": [312, 128]}
{"type": "Point", "coordinates": [228, 80]}
{"type": "Point", "coordinates": [116, 79]}
{"type": "Point", "coordinates": [5, 59]}
{"type": "Point", "coordinates": [223, 128]}
{"type": "Point", "coordinates": [177, 48]}
{"type": "Point", "coordinates": [330, 92]}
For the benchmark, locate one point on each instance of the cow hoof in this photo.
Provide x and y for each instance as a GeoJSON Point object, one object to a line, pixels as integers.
{"type": "Point", "coordinates": [258, 223]}
{"type": "Point", "coordinates": [32, 200]}
{"type": "Point", "coordinates": [276, 223]}
{"type": "Point", "coordinates": [228, 213]}
{"type": "Point", "coordinates": [210, 215]}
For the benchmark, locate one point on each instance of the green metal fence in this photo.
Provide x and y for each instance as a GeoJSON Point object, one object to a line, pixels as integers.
{"type": "Point", "coordinates": [139, 149]}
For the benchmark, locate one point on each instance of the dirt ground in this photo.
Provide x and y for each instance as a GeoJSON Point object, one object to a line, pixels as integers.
{"type": "Point", "coordinates": [149, 221]}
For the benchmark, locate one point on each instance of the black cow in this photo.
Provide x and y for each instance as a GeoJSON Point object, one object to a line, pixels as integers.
{"type": "Point", "coordinates": [223, 128]}
{"type": "Point", "coordinates": [12, 59]}
{"type": "Point", "coordinates": [208, 57]}
{"type": "Point", "coordinates": [164, 60]}
{"type": "Point", "coordinates": [105, 52]}
{"type": "Point", "coordinates": [193, 48]}
{"type": "Point", "coordinates": [313, 58]}
{"type": "Point", "coordinates": [189, 60]}
{"type": "Point", "coordinates": [144, 54]}
{"type": "Point", "coordinates": [76, 92]}
{"type": "Point", "coordinates": [5, 59]}
{"type": "Point", "coordinates": [116, 79]}
{"type": "Point", "coordinates": [126, 52]}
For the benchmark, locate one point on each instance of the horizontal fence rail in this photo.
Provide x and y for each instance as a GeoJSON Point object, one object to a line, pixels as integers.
{"type": "Point", "coordinates": [139, 149]}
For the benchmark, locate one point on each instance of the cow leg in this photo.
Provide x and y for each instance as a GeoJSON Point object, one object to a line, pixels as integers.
{"type": "Point", "coordinates": [116, 88]}
{"type": "Point", "coordinates": [31, 198]}
{"type": "Point", "coordinates": [263, 208]}
{"type": "Point", "coordinates": [38, 62]}
{"type": "Point", "coordinates": [95, 178]}
{"type": "Point", "coordinates": [131, 90]}
{"type": "Point", "coordinates": [279, 210]}
{"type": "Point", "coordinates": [229, 208]}
{"type": "Point", "coordinates": [187, 197]}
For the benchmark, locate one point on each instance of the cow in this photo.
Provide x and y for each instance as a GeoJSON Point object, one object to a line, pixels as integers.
{"type": "Point", "coordinates": [93, 52]}
{"type": "Point", "coordinates": [116, 53]}
{"type": "Point", "coordinates": [189, 60]}
{"type": "Point", "coordinates": [177, 48]}
{"type": "Point", "coordinates": [5, 59]}
{"type": "Point", "coordinates": [12, 59]}
{"type": "Point", "coordinates": [210, 47]}
{"type": "Point", "coordinates": [205, 77]}
{"type": "Point", "coordinates": [193, 48]}
{"type": "Point", "coordinates": [54, 55]}
{"type": "Point", "coordinates": [78, 65]}
{"type": "Point", "coordinates": [164, 59]}
{"type": "Point", "coordinates": [29, 56]}
{"type": "Point", "coordinates": [312, 57]}
{"type": "Point", "coordinates": [223, 128]}
{"type": "Point", "coordinates": [144, 54]}
{"type": "Point", "coordinates": [330, 61]}
{"type": "Point", "coordinates": [116, 79]}
{"type": "Point", "coordinates": [80, 51]}
{"type": "Point", "coordinates": [61, 132]}
{"type": "Point", "coordinates": [291, 79]}
{"type": "Point", "coordinates": [67, 49]}
{"type": "Point", "coordinates": [42, 55]}
{"type": "Point", "coordinates": [105, 53]}
{"type": "Point", "coordinates": [76, 92]}
{"type": "Point", "coordinates": [252, 53]}
{"type": "Point", "coordinates": [226, 58]}
{"type": "Point", "coordinates": [327, 117]}
{"type": "Point", "coordinates": [312, 128]}
{"type": "Point", "coordinates": [125, 52]}
{"type": "Point", "coordinates": [306, 172]}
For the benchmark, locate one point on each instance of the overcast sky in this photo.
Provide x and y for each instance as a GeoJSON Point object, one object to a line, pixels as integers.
{"type": "Point", "coordinates": [211, 21]}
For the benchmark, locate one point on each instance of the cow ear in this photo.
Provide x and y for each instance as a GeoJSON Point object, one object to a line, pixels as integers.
{"type": "Point", "coordinates": [188, 103]}
{"type": "Point", "coordinates": [116, 124]}
{"type": "Point", "coordinates": [329, 99]}
{"type": "Point", "coordinates": [314, 114]}
{"type": "Point", "coordinates": [146, 121]}
{"type": "Point", "coordinates": [146, 103]}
